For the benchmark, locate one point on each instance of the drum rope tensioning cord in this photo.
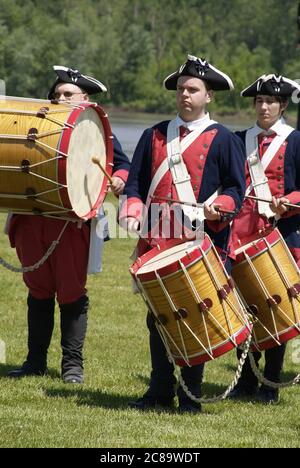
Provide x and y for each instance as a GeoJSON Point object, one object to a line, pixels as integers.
{"type": "Point", "coordinates": [267, 382]}
{"type": "Point", "coordinates": [223, 396]}
{"type": "Point", "coordinates": [40, 262]}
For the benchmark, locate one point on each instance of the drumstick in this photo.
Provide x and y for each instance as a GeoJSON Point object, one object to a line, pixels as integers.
{"type": "Point", "coordinates": [252, 197]}
{"type": "Point", "coordinates": [96, 161]}
{"type": "Point", "coordinates": [197, 205]}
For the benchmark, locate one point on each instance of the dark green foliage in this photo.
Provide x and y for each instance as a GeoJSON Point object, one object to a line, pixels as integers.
{"type": "Point", "coordinates": [132, 45]}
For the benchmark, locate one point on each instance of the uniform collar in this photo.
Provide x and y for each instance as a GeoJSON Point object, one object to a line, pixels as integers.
{"type": "Point", "coordinates": [194, 124]}
{"type": "Point", "coordinates": [277, 128]}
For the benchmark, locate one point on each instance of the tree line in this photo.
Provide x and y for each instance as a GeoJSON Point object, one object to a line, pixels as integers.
{"type": "Point", "coordinates": [132, 45]}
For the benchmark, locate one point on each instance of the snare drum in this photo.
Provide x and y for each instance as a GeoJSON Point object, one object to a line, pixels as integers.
{"type": "Point", "coordinates": [46, 157]}
{"type": "Point", "coordinates": [195, 305]}
{"type": "Point", "coordinates": [267, 277]}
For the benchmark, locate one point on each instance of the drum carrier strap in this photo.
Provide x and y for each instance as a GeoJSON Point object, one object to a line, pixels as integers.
{"type": "Point", "coordinates": [180, 175]}
{"type": "Point", "coordinates": [181, 178]}
{"type": "Point", "coordinates": [257, 166]}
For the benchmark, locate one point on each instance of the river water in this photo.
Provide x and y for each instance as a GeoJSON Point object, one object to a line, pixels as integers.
{"type": "Point", "coordinates": [128, 127]}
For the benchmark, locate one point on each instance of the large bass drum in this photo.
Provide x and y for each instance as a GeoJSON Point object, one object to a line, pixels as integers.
{"type": "Point", "coordinates": [46, 152]}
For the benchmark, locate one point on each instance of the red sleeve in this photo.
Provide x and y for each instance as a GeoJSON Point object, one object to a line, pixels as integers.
{"type": "Point", "coordinates": [122, 173]}
{"type": "Point", "coordinates": [228, 203]}
{"type": "Point", "coordinates": [132, 208]}
{"type": "Point", "coordinates": [293, 197]}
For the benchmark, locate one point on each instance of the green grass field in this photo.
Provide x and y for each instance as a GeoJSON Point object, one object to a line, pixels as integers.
{"type": "Point", "coordinates": [44, 412]}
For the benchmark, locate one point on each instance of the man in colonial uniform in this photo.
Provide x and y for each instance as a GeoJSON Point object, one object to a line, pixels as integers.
{"type": "Point", "coordinates": [64, 273]}
{"type": "Point", "coordinates": [212, 163]}
{"type": "Point", "coordinates": [278, 168]}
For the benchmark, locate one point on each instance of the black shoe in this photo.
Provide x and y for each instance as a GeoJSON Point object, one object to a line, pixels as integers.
{"type": "Point", "coordinates": [242, 392]}
{"type": "Point", "coordinates": [268, 395]}
{"type": "Point", "coordinates": [26, 370]}
{"type": "Point", "coordinates": [189, 406]}
{"type": "Point", "coordinates": [147, 403]}
{"type": "Point", "coordinates": [73, 379]}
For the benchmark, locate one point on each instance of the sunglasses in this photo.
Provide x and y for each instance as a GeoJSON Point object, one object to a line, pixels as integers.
{"type": "Point", "coordinates": [66, 94]}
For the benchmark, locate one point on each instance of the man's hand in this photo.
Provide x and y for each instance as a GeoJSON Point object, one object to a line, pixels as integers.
{"type": "Point", "coordinates": [117, 185]}
{"type": "Point", "coordinates": [211, 213]}
{"type": "Point", "coordinates": [278, 205]}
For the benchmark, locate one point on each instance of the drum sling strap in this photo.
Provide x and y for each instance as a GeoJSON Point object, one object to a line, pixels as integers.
{"type": "Point", "coordinates": [180, 175]}
{"type": "Point", "coordinates": [257, 166]}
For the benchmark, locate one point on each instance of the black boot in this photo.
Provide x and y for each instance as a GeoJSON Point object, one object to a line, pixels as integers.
{"type": "Point", "coordinates": [274, 362]}
{"type": "Point", "coordinates": [40, 320]}
{"type": "Point", "coordinates": [161, 389]}
{"type": "Point", "coordinates": [162, 380]}
{"type": "Point", "coordinates": [192, 377]}
{"type": "Point", "coordinates": [73, 329]}
{"type": "Point", "coordinates": [248, 382]}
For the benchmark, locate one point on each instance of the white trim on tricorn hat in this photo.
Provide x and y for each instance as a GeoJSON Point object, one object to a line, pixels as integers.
{"type": "Point", "coordinates": [68, 75]}
{"type": "Point", "coordinates": [200, 68]}
{"type": "Point", "coordinates": [271, 85]}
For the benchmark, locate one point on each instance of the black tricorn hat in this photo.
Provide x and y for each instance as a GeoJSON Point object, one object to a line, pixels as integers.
{"type": "Point", "coordinates": [271, 85]}
{"type": "Point", "coordinates": [68, 75]}
{"type": "Point", "coordinates": [200, 68]}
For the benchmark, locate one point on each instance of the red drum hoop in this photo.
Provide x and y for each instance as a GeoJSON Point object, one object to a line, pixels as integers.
{"type": "Point", "coordinates": [46, 157]}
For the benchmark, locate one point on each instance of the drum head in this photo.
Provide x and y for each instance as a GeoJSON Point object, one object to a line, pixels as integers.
{"type": "Point", "coordinates": [169, 256]}
{"type": "Point", "coordinates": [84, 178]}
